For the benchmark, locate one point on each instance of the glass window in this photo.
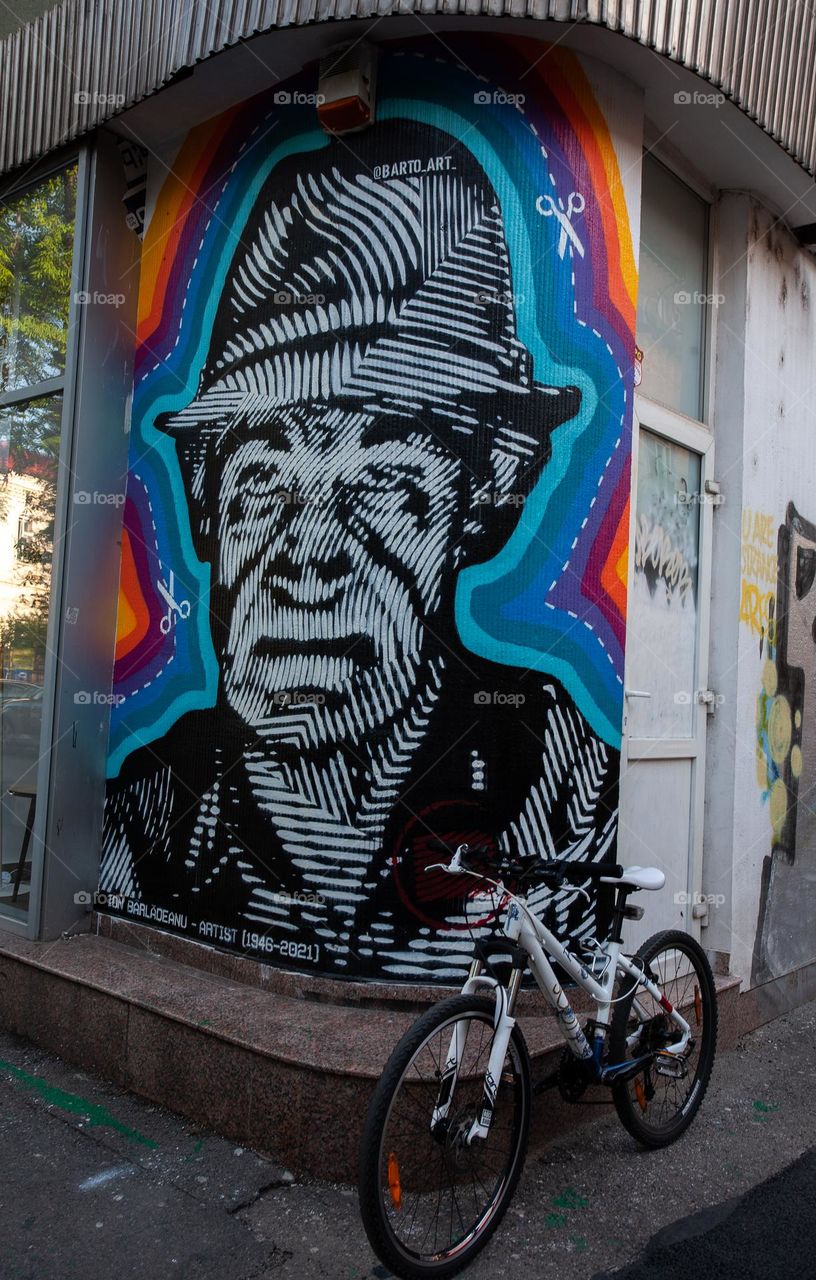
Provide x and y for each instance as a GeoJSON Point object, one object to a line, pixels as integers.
{"type": "Point", "coordinates": [36, 253]}
{"type": "Point", "coordinates": [36, 263]}
{"type": "Point", "coordinates": [672, 290]}
{"type": "Point", "coordinates": [661, 636]}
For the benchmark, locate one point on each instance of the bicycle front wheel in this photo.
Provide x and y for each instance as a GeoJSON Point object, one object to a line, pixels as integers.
{"type": "Point", "coordinates": [429, 1199]}
{"type": "Point", "coordinates": [660, 1103]}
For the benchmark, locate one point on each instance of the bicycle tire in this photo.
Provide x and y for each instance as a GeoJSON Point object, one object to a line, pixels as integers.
{"type": "Point", "coordinates": [634, 1098]}
{"type": "Point", "coordinates": [381, 1133]}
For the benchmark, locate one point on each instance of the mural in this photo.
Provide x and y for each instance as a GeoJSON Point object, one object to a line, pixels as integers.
{"type": "Point", "coordinates": [786, 758]}
{"type": "Point", "coordinates": [373, 573]}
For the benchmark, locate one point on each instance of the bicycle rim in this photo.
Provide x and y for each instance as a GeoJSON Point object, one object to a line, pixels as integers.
{"type": "Point", "coordinates": [441, 1196]}
{"type": "Point", "coordinates": [660, 1103]}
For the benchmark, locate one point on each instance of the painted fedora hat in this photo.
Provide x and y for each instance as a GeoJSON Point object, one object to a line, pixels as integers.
{"type": "Point", "coordinates": [381, 286]}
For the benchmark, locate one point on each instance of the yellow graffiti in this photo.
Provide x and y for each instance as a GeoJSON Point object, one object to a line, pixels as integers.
{"type": "Point", "coordinates": [758, 528]}
{"type": "Point", "coordinates": [756, 608]}
{"type": "Point", "coordinates": [796, 761]}
{"type": "Point", "coordinates": [759, 570]}
{"type": "Point", "coordinates": [778, 807]}
{"type": "Point", "coordinates": [780, 726]}
{"type": "Point", "coordinates": [760, 565]}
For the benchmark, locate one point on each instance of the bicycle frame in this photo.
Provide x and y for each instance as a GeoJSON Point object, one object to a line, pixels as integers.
{"type": "Point", "coordinates": [526, 932]}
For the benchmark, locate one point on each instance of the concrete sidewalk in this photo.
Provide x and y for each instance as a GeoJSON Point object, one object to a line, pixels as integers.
{"type": "Point", "coordinates": [97, 1183]}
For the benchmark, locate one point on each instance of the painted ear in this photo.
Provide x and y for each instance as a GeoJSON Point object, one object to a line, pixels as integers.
{"type": "Point", "coordinates": [515, 464]}
{"type": "Point", "coordinates": [520, 450]}
{"type": "Point", "coordinates": [522, 443]}
{"type": "Point", "coordinates": [200, 498]}
{"type": "Point", "coordinates": [196, 431]}
{"type": "Point", "coordinates": [497, 497]}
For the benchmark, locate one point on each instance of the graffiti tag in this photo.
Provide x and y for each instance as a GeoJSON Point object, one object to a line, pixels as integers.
{"type": "Point", "coordinates": [759, 570]}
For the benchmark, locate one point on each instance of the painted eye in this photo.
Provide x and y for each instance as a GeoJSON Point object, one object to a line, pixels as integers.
{"type": "Point", "coordinates": [395, 489]}
{"type": "Point", "coordinates": [253, 486]}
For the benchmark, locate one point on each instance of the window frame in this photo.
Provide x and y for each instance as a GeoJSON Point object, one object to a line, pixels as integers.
{"type": "Point", "coordinates": [676, 164]}
{"type": "Point", "coordinates": [696, 434]}
{"type": "Point", "coordinates": [26, 921]}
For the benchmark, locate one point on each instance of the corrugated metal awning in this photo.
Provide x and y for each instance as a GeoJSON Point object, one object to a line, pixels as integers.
{"type": "Point", "coordinates": [83, 62]}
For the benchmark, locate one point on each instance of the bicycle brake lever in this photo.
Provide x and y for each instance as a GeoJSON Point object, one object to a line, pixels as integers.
{"type": "Point", "coordinates": [455, 866]}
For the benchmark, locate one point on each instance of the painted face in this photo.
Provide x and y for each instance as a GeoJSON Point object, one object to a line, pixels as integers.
{"type": "Point", "coordinates": [337, 532]}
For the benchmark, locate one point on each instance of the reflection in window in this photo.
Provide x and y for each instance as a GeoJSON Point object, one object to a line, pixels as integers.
{"type": "Point", "coordinates": [36, 246]}
{"type": "Point", "coordinates": [36, 263]}
{"type": "Point", "coordinates": [29, 455]}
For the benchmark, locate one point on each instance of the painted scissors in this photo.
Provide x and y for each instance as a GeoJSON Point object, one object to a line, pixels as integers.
{"type": "Point", "coordinates": [575, 204]}
{"type": "Point", "coordinates": [182, 608]}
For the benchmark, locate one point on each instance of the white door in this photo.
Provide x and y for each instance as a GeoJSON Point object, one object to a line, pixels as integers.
{"type": "Point", "coordinates": [667, 702]}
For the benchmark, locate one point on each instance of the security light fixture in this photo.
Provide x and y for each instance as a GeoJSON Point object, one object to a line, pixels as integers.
{"type": "Point", "coordinates": [346, 88]}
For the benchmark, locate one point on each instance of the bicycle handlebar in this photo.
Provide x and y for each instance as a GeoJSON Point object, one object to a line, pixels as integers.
{"type": "Point", "coordinates": [531, 866]}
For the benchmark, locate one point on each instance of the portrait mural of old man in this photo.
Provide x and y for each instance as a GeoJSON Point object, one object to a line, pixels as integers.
{"type": "Point", "coordinates": [373, 571]}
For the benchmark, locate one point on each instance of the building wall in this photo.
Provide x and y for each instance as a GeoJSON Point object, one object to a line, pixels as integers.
{"type": "Point", "coordinates": [373, 579]}
{"type": "Point", "coordinates": [764, 756]}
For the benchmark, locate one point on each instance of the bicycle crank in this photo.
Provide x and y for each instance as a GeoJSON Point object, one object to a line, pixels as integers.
{"type": "Point", "coordinates": [572, 1078]}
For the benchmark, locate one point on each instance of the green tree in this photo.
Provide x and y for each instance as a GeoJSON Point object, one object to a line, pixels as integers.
{"type": "Point", "coordinates": [36, 257]}
{"type": "Point", "coordinates": [36, 248]}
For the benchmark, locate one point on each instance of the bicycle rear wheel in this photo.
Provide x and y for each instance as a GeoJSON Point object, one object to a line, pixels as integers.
{"type": "Point", "coordinates": [429, 1200]}
{"type": "Point", "coordinates": [656, 1106]}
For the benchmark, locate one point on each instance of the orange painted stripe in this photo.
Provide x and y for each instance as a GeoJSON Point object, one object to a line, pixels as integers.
{"type": "Point", "coordinates": [616, 567]}
{"type": "Point", "coordinates": [133, 617]}
{"type": "Point", "coordinates": [177, 197]}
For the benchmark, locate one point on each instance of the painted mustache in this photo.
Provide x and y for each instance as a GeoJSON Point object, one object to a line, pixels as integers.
{"type": "Point", "coordinates": [354, 646]}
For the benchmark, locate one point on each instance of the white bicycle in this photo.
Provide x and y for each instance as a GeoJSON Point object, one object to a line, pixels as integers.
{"type": "Point", "coordinates": [446, 1132]}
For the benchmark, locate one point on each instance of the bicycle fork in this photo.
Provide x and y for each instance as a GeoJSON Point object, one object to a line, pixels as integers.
{"type": "Point", "coordinates": [503, 1023]}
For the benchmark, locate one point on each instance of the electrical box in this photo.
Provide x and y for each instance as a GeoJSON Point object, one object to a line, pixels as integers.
{"type": "Point", "coordinates": [347, 87]}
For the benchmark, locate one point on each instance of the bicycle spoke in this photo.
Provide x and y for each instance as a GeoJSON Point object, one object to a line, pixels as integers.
{"type": "Point", "coordinates": [447, 1185]}
{"type": "Point", "coordinates": [658, 1098]}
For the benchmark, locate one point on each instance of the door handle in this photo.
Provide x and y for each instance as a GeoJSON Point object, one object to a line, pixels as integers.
{"type": "Point", "coordinates": [636, 693]}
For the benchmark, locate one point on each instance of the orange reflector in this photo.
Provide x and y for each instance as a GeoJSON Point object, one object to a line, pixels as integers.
{"type": "Point", "coordinates": [640, 1094]}
{"type": "Point", "coordinates": [698, 1005]}
{"type": "Point", "coordinates": [394, 1185]}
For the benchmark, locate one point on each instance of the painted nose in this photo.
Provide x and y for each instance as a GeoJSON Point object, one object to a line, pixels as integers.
{"type": "Point", "coordinates": [312, 539]}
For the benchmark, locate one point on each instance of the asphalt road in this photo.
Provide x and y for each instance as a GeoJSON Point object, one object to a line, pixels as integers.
{"type": "Point", "coordinates": [765, 1234]}
{"type": "Point", "coordinates": [95, 1183]}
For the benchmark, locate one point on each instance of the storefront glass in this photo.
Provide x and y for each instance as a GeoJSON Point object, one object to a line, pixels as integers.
{"type": "Point", "coordinates": [36, 257]}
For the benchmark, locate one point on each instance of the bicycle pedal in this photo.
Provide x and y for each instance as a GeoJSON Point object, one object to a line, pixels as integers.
{"type": "Point", "coordinates": [667, 1064]}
